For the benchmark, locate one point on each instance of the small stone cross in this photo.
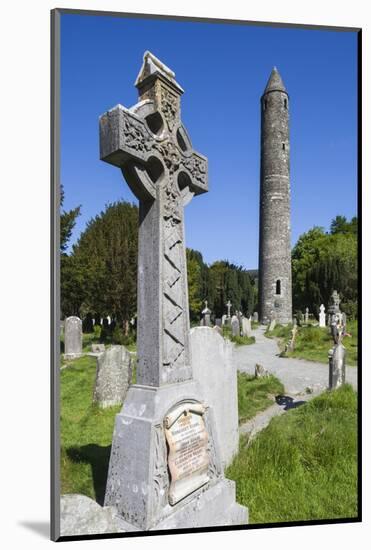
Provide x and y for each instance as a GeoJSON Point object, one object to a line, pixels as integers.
{"type": "Point", "coordinates": [150, 145]}
{"type": "Point", "coordinates": [229, 305]}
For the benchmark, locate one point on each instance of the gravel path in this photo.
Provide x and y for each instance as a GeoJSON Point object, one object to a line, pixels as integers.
{"type": "Point", "coordinates": [296, 374]}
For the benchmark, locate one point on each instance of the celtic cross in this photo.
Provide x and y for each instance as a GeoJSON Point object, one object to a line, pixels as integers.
{"type": "Point", "coordinates": [149, 143]}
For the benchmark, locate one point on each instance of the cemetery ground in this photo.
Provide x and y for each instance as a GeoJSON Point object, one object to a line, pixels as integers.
{"type": "Point", "coordinates": [312, 342]}
{"type": "Point", "coordinates": [303, 466]}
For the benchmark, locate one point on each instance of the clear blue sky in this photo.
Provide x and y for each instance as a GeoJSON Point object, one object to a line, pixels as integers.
{"type": "Point", "coordinates": [223, 69]}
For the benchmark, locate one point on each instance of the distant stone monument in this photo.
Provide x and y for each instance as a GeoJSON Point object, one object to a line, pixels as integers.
{"type": "Point", "coordinates": [255, 317]}
{"type": "Point", "coordinates": [113, 376]}
{"type": "Point", "coordinates": [72, 337]}
{"type": "Point", "coordinates": [336, 359]}
{"type": "Point", "coordinates": [235, 326]}
{"type": "Point", "coordinates": [246, 326]}
{"type": "Point", "coordinates": [224, 320]}
{"type": "Point", "coordinates": [322, 316]}
{"type": "Point", "coordinates": [165, 469]}
{"type": "Point", "coordinates": [306, 317]}
{"type": "Point", "coordinates": [229, 305]}
{"type": "Point", "coordinates": [206, 312]}
{"type": "Point", "coordinates": [272, 324]}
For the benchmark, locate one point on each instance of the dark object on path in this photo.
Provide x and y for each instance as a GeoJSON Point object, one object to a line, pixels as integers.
{"type": "Point", "coordinates": [288, 402]}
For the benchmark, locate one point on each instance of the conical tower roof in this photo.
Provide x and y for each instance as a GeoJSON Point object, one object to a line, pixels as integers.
{"type": "Point", "coordinates": [275, 82]}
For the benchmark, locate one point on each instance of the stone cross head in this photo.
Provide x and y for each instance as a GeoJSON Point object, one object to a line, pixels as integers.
{"type": "Point", "coordinates": [150, 145]}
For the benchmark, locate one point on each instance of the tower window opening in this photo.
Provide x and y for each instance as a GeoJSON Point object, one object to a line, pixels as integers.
{"type": "Point", "coordinates": [283, 146]}
{"type": "Point", "coordinates": [278, 287]}
{"type": "Point", "coordinates": [285, 103]}
{"type": "Point", "coordinates": [265, 104]}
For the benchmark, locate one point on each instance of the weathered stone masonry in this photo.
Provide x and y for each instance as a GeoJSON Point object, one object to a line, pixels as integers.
{"type": "Point", "coordinates": [275, 289]}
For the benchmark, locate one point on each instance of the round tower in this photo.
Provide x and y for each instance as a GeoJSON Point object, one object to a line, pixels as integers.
{"type": "Point", "coordinates": [275, 292]}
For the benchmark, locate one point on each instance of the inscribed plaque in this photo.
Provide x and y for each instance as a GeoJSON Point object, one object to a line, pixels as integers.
{"type": "Point", "coordinates": [188, 457]}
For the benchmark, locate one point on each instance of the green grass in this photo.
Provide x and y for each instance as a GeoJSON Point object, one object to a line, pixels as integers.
{"type": "Point", "coordinates": [313, 343]}
{"type": "Point", "coordinates": [303, 466]}
{"type": "Point", "coordinates": [238, 340]}
{"type": "Point", "coordinates": [86, 432]}
{"type": "Point", "coordinates": [256, 394]}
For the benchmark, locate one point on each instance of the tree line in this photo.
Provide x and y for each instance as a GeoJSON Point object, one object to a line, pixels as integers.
{"type": "Point", "coordinates": [99, 275]}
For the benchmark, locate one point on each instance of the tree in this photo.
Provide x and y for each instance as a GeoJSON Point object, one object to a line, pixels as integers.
{"type": "Point", "coordinates": [323, 262]}
{"type": "Point", "coordinates": [103, 269]}
{"type": "Point", "coordinates": [67, 223]}
{"type": "Point", "coordinates": [70, 288]}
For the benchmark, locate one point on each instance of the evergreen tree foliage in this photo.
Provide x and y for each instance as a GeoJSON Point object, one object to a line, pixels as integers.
{"type": "Point", "coordinates": [323, 262]}
{"type": "Point", "coordinates": [103, 266]}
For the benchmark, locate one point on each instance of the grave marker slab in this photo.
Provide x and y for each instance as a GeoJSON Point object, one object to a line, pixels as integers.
{"type": "Point", "coordinates": [322, 316]}
{"type": "Point", "coordinates": [72, 337]}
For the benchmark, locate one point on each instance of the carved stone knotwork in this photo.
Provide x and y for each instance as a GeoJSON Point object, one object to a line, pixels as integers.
{"type": "Point", "coordinates": [152, 148]}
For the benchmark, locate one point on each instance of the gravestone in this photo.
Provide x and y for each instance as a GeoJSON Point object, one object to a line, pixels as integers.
{"type": "Point", "coordinates": [72, 337]}
{"type": "Point", "coordinates": [215, 370]}
{"type": "Point", "coordinates": [224, 320]}
{"type": "Point", "coordinates": [272, 324]}
{"type": "Point", "coordinates": [322, 316]}
{"type": "Point", "coordinates": [246, 326]}
{"type": "Point", "coordinates": [260, 371]}
{"type": "Point", "coordinates": [206, 321]}
{"type": "Point", "coordinates": [113, 376]}
{"type": "Point", "coordinates": [229, 305]}
{"type": "Point", "coordinates": [218, 322]}
{"type": "Point", "coordinates": [336, 358]}
{"type": "Point", "coordinates": [235, 326]}
{"type": "Point", "coordinates": [255, 317]}
{"type": "Point", "coordinates": [165, 468]}
{"type": "Point", "coordinates": [306, 317]}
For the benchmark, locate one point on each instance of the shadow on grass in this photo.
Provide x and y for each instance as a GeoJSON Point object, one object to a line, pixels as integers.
{"type": "Point", "coordinates": [288, 402]}
{"type": "Point", "coordinates": [98, 457]}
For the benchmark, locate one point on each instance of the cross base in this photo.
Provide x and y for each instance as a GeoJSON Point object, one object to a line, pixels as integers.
{"type": "Point", "coordinates": [139, 482]}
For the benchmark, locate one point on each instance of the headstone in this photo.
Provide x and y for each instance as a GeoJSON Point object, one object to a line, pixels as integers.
{"type": "Point", "coordinates": [290, 346]}
{"type": "Point", "coordinates": [161, 476]}
{"type": "Point", "coordinates": [224, 320]}
{"type": "Point", "coordinates": [72, 337]}
{"type": "Point", "coordinates": [81, 515]}
{"type": "Point", "coordinates": [218, 322]}
{"type": "Point", "coordinates": [215, 370]}
{"type": "Point", "coordinates": [206, 321]}
{"type": "Point", "coordinates": [98, 348]}
{"type": "Point", "coordinates": [272, 324]}
{"type": "Point", "coordinates": [255, 317]}
{"type": "Point", "coordinates": [109, 319]}
{"type": "Point", "coordinates": [246, 326]}
{"type": "Point", "coordinates": [306, 317]}
{"type": "Point", "coordinates": [235, 326]}
{"type": "Point", "coordinates": [260, 371]}
{"type": "Point", "coordinates": [229, 305]}
{"type": "Point", "coordinates": [113, 376]}
{"type": "Point", "coordinates": [336, 358]}
{"type": "Point", "coordinates": [322, 316]}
